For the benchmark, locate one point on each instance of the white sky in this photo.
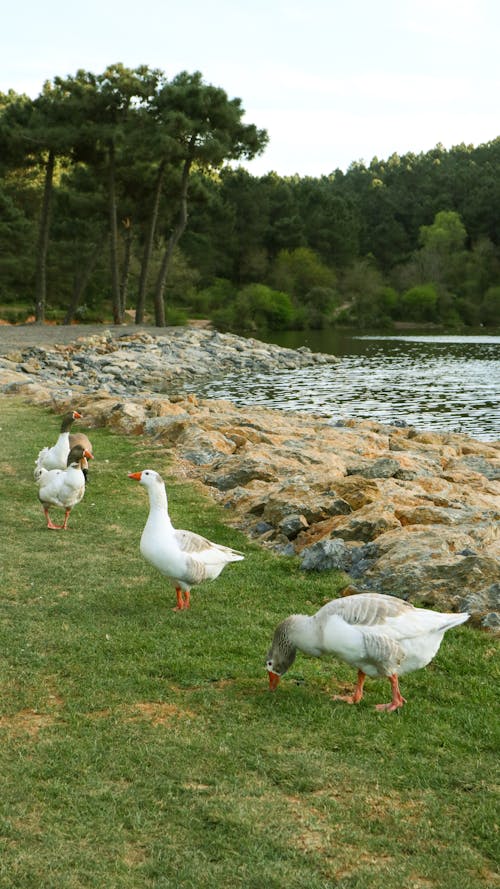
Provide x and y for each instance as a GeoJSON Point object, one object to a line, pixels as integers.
{"type": "Point", "coordinates": [333, 81]}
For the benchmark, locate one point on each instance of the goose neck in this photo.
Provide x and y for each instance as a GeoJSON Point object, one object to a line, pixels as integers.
{"type": "Point", "coordinates": [303, 633]}
{"type": "Point", "coordinates": [158, 499]}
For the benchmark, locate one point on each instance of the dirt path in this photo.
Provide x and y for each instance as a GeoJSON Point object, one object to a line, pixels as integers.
{"type": "Point", "coordinates": [23, 335]}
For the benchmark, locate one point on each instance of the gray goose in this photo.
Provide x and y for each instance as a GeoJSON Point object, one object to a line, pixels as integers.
{"type": "Point", "coordinates": [382, 636]}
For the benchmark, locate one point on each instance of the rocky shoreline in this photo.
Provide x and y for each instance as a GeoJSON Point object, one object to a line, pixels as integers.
{"type": "Point", "coordinates": [399, 510]}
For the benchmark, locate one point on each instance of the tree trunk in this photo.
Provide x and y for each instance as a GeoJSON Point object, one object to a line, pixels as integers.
{"type": "Point", "coordinates": [113, 227]}
{"type": "Point", "coordinates": [127, 224]}
{"type": "Point", "coordinates": [169, 249]}
{"type": "Point", "coordinates": [43, 241]}
{"type": "Point", "coordinates": [82, 278]}
{"type": "Point", "coordinates": [148, 247]}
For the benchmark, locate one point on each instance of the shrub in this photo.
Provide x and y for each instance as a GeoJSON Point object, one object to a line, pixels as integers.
{"type": "Point", "coordinates": [298, 271]}
{"type": "Point", "coordinates": [420, 303]}
{"type": "Point", "coordinates": [216, 295]}
{"type": "Point", "coordinates": [256, 307]}
{"type": "Point", "coordinates": [490, 307]}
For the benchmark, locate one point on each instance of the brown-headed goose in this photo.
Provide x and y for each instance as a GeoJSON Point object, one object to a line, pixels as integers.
{"type": "Point", "coordinates": [79, 438]}
{"type": "Point", "coordinates": [63, 487]}
{"type": "Point", "coordinates": [382, 636]}
{"type": "Point", "coordinates": [184, 557]}
{"type": "Point", "coordinates": [56, 457]}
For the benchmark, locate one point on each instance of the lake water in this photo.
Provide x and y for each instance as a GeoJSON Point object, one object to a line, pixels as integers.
{"type": "Point", "coordinates": [440, 382]}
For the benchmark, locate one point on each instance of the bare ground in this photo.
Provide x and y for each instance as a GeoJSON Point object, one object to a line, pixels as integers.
{"type": "Point", "coordinates": [19, 336]}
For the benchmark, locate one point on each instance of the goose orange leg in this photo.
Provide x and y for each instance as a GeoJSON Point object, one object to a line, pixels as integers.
{"type": "Point", "coordinates": [66, 517]}
{"type": "Point", "coordinates": [397, 698]}
{"type": "Point", "coordinates": [357, 693]}
{"type": "Point", "coordinates": [50, 523]}
{"type": "Point", "coordinates": [183, 602]}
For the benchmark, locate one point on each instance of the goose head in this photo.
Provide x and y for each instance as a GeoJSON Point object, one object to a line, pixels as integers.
{"type": "Point", "coordinates": [78, 456]}
{"type": "Point", "coordinates": [147, 477]}
{"type": "Point", "coordinates": [281, 655]}
{"type": "Point", "coordinates": [68, 419]}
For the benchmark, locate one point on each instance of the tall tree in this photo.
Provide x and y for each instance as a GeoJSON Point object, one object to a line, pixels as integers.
{"type": "Point", "coordinates": [113, 103]}
{"type": "Point", "coordinates": [39, 132]}
{"type": "Point", "coordinates": [206, 129]}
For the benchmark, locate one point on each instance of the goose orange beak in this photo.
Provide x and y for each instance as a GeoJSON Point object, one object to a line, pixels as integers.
{"type": "Point", "coordinates": [88, 455]}
{"type": "Point", "coordinates": [76, 415]}
{"type": "Point", "coordinates": [273, 680]}
{"type": "Point", "coordinates": [136, 475]}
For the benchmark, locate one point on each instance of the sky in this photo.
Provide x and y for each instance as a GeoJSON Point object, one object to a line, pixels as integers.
{"type": "Point", "coordinates": [333, 82]}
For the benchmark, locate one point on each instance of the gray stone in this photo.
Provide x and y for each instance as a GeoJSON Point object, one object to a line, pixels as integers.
{"type": "Point", "coordinates": [284, 549]}
{"type": "Point", "coordinates": [491, 622]}
{"type": "Point", "coordinates": [477, 464]}
{"type": "Point", "coordinates": [240, 474]}
{"type": "Point", "coordinates": [385, 467]}
{"type": "Point", "coordinates": [483, 600]}
{"type": "Point", "coordinates": [326, 555]}
{"type": "Point", "coordinates": [262, 527]}
{"type": "Point", "coordinates": [200, 457]}
{"type": "Point", "coordinates": [338, 506]}
{"type": "Point", "coordinates": [292, 525]}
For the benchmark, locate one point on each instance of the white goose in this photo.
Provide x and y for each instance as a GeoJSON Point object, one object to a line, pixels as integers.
{"type": "Point", "coordinates": [56, 457]}
{"type": "Point", "coordinates": [184, 557]}
{"type": "Point", "coordinates": [63, 487]}
{"type": "Point", "coordinates": [380, 635]}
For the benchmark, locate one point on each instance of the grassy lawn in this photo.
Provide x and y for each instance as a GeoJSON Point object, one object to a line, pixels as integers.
{"type": "Point", "coordinates": [141, 748]}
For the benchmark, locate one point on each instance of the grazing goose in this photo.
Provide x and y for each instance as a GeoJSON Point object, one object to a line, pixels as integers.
{"type": "Point", "coordinates": [184, 557]}
{"type": "Point", "coordinates": [56, 457]}
{"type": "Point", "coordinates": [63, 487]}
{"type": "Point", "coordinates": [380, 635]}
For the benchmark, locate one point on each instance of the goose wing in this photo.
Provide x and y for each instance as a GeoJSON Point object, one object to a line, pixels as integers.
{"type": "Point", "coordinates": [378, 614]}
{"type": "Point", "coordinates": [206, 550]}
{"type": "Point", "coordinates": [39, 463]}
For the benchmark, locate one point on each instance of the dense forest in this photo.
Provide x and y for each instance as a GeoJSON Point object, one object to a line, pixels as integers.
{"type": "Point", "coordinates": [122, 196]}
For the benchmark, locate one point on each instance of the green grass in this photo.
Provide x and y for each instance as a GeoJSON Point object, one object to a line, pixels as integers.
{"type": "Point", "coordinates": [141, 748]}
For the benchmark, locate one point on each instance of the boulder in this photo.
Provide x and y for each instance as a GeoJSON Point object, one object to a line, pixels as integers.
{"type": "Point", "coordinates": [128, 418]}
{"type": "Point", "coordinates": [326, 555]}
{"type": "Point", "coordinates": [229, 473]}
{"type": "Point", "coordinates": [384, 467]}
{"type": "Point", "coordinates": [484, 606]}
{"type": "Point", "coordinates": [291, 525]}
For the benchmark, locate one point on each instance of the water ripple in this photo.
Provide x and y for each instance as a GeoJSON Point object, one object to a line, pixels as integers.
{"type": "Point", "coordinates": [437, 383]}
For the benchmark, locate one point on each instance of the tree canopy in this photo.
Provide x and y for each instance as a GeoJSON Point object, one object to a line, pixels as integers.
{"type": "Point", "coordinates": [121, 192]}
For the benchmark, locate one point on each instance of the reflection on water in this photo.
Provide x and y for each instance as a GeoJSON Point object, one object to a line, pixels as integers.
{"type": "Point", "coordinates": [443, 383]}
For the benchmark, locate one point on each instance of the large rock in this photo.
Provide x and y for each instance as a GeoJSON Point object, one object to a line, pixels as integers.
{"type": "Point", "coordinates": [127, 418]}
{"type": "Point", "coordinates": [229, 474]}
{"type": "Point", "coordinates": [326, 555]}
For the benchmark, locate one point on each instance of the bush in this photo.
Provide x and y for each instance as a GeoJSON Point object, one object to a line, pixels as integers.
{"type": "Point", "coordinates": [299, 271]}
{"type": "Point", "coordinates": [420, 303]}
{"type": "Point", "coordinates": [175, 317]}
{"type": "Point", "coordinates": [216, 296]}
{"type": "Point", "coordinates": [490, 307]}
{"type": "Point", "coordinates": [256, 307]}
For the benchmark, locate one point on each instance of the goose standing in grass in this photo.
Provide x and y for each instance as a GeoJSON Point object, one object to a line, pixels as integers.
{"type": "Point", "coordinates": [184, 557]}
{"type": "Point", "coordinates": [63, 487]}
{"type": "Point", "coordinates": [56, 457]}
{"type": "Point", "coordinates": [380, 635]}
